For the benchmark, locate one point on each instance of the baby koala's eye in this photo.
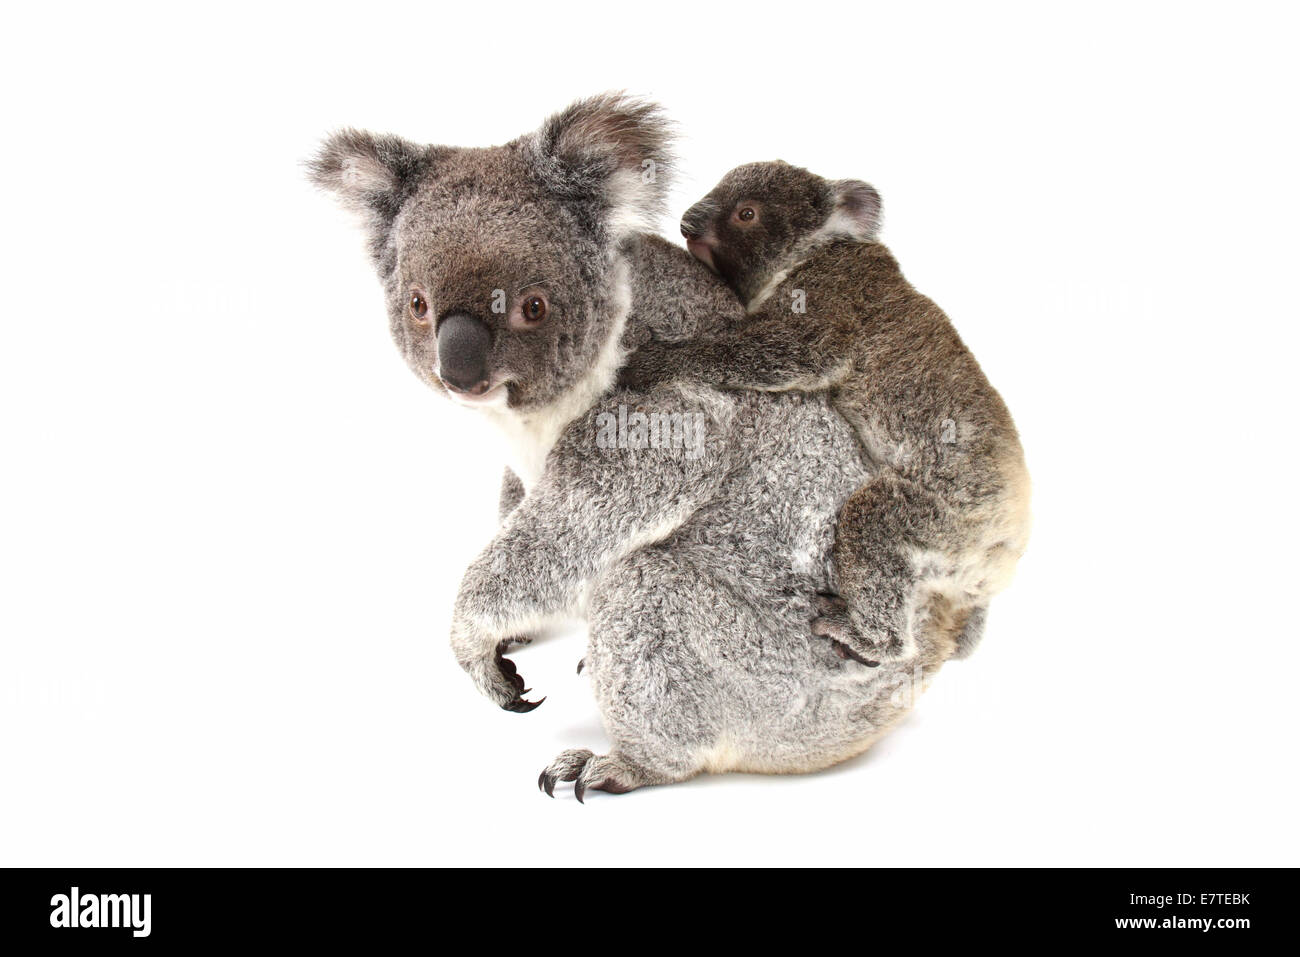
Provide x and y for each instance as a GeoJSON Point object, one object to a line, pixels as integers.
{"type": "Point", "coordinates": [746, 214]}
{"type": "Point", "coordinates": [419, 307]}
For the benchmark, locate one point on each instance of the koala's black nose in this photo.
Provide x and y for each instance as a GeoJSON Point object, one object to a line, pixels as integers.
{"type": "Point", "coordinates": [463, 346]}
{"type": "Point", "coordinates": [689, 231]}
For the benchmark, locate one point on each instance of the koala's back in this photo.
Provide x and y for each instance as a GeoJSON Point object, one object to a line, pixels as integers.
{"type": "Point", "coordinates": [708, 630]}
{"type": "Point", "coordinates": [781, 699]}
{"type": "Point", "coordinates": [793, 460]}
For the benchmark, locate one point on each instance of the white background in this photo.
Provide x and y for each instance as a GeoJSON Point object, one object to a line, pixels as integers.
{"type": "Point", "coordinates": [232, 522]}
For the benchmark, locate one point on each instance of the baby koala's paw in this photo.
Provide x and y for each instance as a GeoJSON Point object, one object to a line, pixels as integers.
{"type": "Point", "coordinates": [853, 638]}
{"type": "Point", "coordinates": [646, 367]}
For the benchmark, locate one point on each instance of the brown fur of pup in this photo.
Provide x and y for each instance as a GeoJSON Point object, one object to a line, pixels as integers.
{"type": "Point", "coordinates": [947, 517]}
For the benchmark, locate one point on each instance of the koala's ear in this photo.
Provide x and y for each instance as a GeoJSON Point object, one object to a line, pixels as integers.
{"type": "Point", "coordinates": [857, 209]}
{"type": "Point", "coordinates": [613, 148]}
{"type": "Point", "coordinates": [371, 175]}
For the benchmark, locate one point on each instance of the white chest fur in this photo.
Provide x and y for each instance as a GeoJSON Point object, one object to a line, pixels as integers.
{"type": "Point", "coordinates": [530, 436]}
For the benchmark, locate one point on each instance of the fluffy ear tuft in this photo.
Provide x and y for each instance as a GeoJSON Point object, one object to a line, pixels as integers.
{"type": "Point", "coordinates": [857, 209]}
{"type": "Point", "coordinates": [612, 147]}
{"type": "Point", "coordinates": [370, 174]}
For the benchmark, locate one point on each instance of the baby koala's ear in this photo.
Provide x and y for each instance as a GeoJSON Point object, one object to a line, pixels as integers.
{"type": "Point", "coordinates": [857, 209]}
{"type": "Point", "coordinates": [613, 148]}
{"type": "Point", "coordinates": [369, 174]}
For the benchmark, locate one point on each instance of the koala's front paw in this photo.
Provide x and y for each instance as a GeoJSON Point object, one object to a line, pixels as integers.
{"type": "Point", "coordinates": [507, 668]}
{"type": "Point", "coordinates": [853, 639]}
{"type": "Point", "coordinates": [498, 678]}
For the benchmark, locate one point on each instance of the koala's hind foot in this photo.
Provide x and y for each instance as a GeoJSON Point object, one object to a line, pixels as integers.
{"type": "Point", "coordinates": [881, 527]}
{"type": "Point", "coordinates": [859, 637]}
{"type": "Point", "coordinates": [594, 772]}
{"type": "Point", "coordinates": [835, 622]}
{"type": "Point", "coordinates": [832, 623]}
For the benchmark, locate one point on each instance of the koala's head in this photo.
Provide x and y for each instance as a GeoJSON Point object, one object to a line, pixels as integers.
{"type": "Point", "coordinates": [501, 265]}
{"type": "Point", "coordinates": [763, 218]}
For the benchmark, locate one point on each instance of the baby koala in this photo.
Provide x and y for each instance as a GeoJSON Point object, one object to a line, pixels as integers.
{"type": "Point", "coordinates": [947, 516]}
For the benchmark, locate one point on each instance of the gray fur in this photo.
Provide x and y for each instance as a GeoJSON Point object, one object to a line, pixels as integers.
{"type": "Point", "coordinates": [512, 493]}
{"type": "Point", "coordinates": [947, 512]}
{"type": "Point", "coordinates": [694, 572]}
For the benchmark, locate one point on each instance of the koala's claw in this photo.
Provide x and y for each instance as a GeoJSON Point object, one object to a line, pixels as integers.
{"type": "Point", "coordinates": [590, 772]}
{"type": "Point", "coordinates": [566, 767]}
{"type": "Point", "coordinates": [508, 670]}
{"type": "Point", "coordinates": [520, 706]}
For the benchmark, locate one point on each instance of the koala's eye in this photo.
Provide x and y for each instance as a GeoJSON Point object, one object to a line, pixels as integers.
{"type": "Point", "coordinates": [530, 311]}
{"type": "Point", "coordinates": [534, 309]}
{"type": "Point", "coordinates": [746, 214]}
{"type": "Point", "coordinates": [419, 307]}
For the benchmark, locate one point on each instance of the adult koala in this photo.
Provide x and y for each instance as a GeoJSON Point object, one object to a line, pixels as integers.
{"type": "Point", "coordinates": [518, 278]}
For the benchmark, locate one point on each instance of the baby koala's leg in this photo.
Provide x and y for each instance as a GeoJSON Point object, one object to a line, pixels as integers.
{"type": "Point", "coordinates": [885, 530]}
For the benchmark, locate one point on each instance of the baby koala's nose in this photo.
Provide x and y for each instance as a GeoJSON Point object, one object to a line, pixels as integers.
{"type": "Point", "coordinates": [689, 231]}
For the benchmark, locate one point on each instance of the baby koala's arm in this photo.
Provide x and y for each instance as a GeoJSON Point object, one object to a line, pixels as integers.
{"type": "Point", "coordinates": [592, 506]}
{"type": "Point", "coordinates": [764, 353]}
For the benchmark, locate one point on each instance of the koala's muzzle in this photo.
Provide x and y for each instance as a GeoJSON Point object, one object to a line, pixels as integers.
{"type": "Point", "coordinates": [463, 347]}
{"type": "Point", "coordinates": [697, 222]}
{"type": "Point", "coordinates": [697, 228]}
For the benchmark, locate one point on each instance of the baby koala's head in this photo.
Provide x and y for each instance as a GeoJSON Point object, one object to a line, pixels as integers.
{"type": "Point", "coordinates": [762, 219]}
